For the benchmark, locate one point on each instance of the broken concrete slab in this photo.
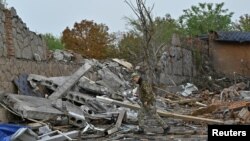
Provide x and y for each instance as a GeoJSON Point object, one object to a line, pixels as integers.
{"type": "Point", "coordinates": [31, 107]}
{"type": "Point", "coordinates": [94, 88]}
{"type": "Point", "coordinates": [62, 90]}
{"type": "Point", "coordinates": [75, 114]}
{"type": "Point", "coordinates": [188, 89]}
{"type": "Point", "coordinates": [77, 119]}
{"type": "Point", "coordinates": [52, 82]}
{"type": "Point", "coordinates": [85, 99]}
{"type": "Point", "coordinates": [245, 94]}
{"type": "Point", "coordinates": [109, 79]}
{"type": "Point", "coordinates": [124, 63]}
{"type": "Point", "coordinates": [78, 97]}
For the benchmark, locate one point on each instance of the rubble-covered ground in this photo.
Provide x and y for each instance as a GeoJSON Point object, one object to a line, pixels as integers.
{"type": "Point", "coordinates": [98, 102]}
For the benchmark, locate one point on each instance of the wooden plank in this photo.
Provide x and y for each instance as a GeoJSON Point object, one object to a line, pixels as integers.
{"type": "Point", "coordinates": [160, 112]}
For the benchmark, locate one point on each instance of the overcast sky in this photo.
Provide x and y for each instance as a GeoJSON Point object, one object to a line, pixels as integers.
{"type": "Point", "coordinates": [53, 16]}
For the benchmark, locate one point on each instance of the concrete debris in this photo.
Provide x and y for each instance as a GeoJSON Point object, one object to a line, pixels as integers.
{"type": "Point", "coordinates": [77, 120]}
{"type": "Point", "coordinates": [24, 134]}
{"type": "Point", "coordinates": [61, 55]}
{"type": "Point", "coordinates": [92, 87]}
{"type": "Point", "coordinates": [124, 63]}
{"type": "Point", "coordinates": [44, 130]}
{"type": "Point", "coordinates": [109, 79]}
{"type": "Point", "coordinates": [160, 112]}
{"type": "Point", "coordinates": [99, 100]}
{"type": "Point", "coordinates": [59, 137]}
{"type": "Point", "coordinates": [245, 94]}
{"type": "Point", "coordinates": [118, 123]}
{"type": "Point", "coordinates": [93, 105]}
{"type": "Point", "coordinates": [70, 82]}
{"type": "Point", "coordinates": [31, 107]}
{"type": "Point", "coordinates": [188, 89]}
{"type": "Point", "coordinates": [52, 83]}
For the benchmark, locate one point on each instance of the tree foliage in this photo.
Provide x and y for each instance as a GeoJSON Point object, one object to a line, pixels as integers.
{"type": "Point", "coordinates": [243, 24]}
{"type": "Point", "coordinates": [129, 47]}
{"type": "Point", "coordinates": [205, 17]}
{"type": "Point", "coordinates": [53, 42]}
{"type": "Point", "coordinates": [165, 27]}
{"type": "Point", "coordinates": [87, 38]}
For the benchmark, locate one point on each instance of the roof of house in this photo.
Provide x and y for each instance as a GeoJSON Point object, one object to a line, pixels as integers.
{"type": "Point", "coordinates": [233, 36]}
{"type": "Point", "coordinates": [229, 36]}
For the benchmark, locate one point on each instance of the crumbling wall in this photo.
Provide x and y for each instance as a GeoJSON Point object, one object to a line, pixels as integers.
{"type": "Point", "coordinates": [11, 68]}
{"type": "Point", "coordinates": [176, 65]}
{"type": "Point", "coordinates": [230, 58]}
{"type": "Point", "coordinates": [16, 40]}
{"type": "Point", "coordinates": [178, 62]}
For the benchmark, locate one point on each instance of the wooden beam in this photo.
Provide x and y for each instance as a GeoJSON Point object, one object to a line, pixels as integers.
{"type": "Point", "coordinates": [160, 112]}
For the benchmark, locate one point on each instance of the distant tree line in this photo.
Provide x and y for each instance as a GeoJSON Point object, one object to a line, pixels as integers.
{"type": "Point", "coordinates": [92, 40]}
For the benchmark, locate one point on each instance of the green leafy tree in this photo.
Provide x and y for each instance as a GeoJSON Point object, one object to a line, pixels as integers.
{"type": "Point", "coordinates": [53, 42]}
{"type": "Point", "coordinates": [129, 47]}
{"type": "Point", "coordinates": [243, 24]}
{"type": "Point", "coordinates": [165, 27]}
{"type": "Point", "coordinates": [88, 38]}
{"type": "Point", "coordinates": [205, 17]}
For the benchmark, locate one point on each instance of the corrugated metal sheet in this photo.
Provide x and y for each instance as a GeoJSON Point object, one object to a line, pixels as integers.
{"type": "Point", "coordinates": [233, 36]}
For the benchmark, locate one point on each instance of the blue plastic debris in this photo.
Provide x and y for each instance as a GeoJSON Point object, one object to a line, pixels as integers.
{"type": "Point", "coordinates": [7, 130]}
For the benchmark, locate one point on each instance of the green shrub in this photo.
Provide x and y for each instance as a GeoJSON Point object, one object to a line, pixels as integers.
{"type": "Point", "coordinates": [53, 42]}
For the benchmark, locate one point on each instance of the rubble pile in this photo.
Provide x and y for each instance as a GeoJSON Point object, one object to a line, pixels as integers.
{"type": "Point", "coordinates": [99, 101]}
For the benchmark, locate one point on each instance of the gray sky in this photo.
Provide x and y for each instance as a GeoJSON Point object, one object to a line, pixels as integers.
{"type": "Point", "coordinates": [53, 16]}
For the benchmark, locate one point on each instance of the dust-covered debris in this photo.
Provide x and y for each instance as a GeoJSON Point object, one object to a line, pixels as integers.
{"type": "Point", "coordinates": [99, 101]}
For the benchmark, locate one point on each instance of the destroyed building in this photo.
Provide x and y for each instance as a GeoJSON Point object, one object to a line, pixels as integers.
{"type": "Point", "coordinates": [229, 52]}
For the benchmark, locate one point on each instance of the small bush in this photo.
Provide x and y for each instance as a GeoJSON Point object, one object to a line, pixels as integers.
{"type": "Point", "coordinates": [53, 42]}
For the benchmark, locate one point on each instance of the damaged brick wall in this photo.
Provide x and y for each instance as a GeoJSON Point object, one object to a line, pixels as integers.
{"type": "Point", "coordinates": [16, 39]}
{"type": "Point", "coordinates": [230, 58]}
{"type": "Point", "coordinates": [11, 68]}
